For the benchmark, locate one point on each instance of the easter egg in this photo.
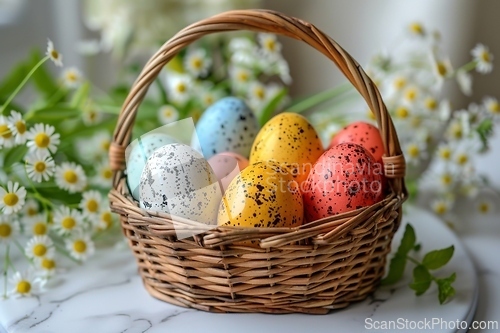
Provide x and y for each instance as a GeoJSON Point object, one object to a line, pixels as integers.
{"type": "Point", "coordinates": [226, 166]}
{"type": "Point", "coordinates": [262, 195]}
{"type": "Point", "coordinates": [346, 177]}
{"type": "Point", "coordinates": [227, 125]}
{"type": "Point", "coordinates": [363, 134]}
{"type": "Point", "coordinates": [179, 181]}
{"type": "Point", "coordinates": [140, 150]}
{"type": "Point", "coordinates": [291, 141]}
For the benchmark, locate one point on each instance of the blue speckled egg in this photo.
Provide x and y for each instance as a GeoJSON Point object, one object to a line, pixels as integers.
{"type": "Point", "coordinates": [141, 149]}
{"type": "Point", "coordinates": [227, 125]}
{"type": "Point", "coordinates": [179, 181]}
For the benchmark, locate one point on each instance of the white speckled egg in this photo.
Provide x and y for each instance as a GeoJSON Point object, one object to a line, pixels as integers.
{"type": "Point", "coordinates": [227, 125]}
{"type": "Point", "coordinates": [140, 151]}
{"type": "Point", "coordinates": [179, 181]}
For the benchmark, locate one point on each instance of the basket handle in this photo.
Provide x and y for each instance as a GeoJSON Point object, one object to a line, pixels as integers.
{"type": "Point", "coordinates": [271, 22]}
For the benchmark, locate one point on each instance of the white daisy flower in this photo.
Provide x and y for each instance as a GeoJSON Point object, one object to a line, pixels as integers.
{"type": "Point", "coordinates": [26, 284]}
{"type": "Point", "coordinates": [36, 225]}
{"type": "Point", "coordinates": [240, 78]}
{"type": "Point", "coordinates": [39, 165]}
{"type": "Point", "coordinates": [456, 130]}
{"type": "Point", "coordinates": [492, 106]}
{"type": "Point", "coordinates": [70, 177]}
{"type": "Point", "coordinates": [441, 206]}
{"type": "Point", "coordinates": [30, 208]}
{"type": "Point", "coordinates": [417, 29]}
{"type": "Point", "coordinates": [167, 114]}
{"type": "Point", "coordinates": [284, 71]}
{"type": "Point", "coordinates": [402, 113]}
{"type": "Point", "coordinates": [102, 142]}
{"type": "Point", "coordinates": [105, 220]}
{"type": "Point", "coordinates": [43, 137]}
{"type": "Point", "coordinates": [67, 220]}
{"type": "Point", "coordinates": [464, 80]}
{"type": "Point", "coordinates": [53, 54]}
{"type": "Point", "coordinates": [39, 247]}
{"type": "Point", "coordinates": [441, 68]}
{"type": "Point", "coordinates": [462, 158]}
{"type": "Point", "coordinates": [12, 199]}
{"type": "Point", "coordinates": [445, 152]}
{"type": "Point", "coordinates": [447, 179]}
{"type": "Point", "coordinates": [197, 63]}
{"type": "Point", "coordinates": [241, 44]}
{"type": "Point", "coordinates": [257, 95]}
{"type": "Point", "coordinates": [8, 229]}
{"type": "Point", "coordinates": [91, 203]}
{"type": "Point", "coordinates": [399, 82]}
{"type": "Point", "coordinates": [178, 87]}
{"type": "Point", "coordinates": [484, 203]}
{"type": "Point", "coordinates": [483, 58]}
{"type": "Point", "coordinates": [6, 135]}
{"type": "Point", "coordinates": [411, 94]}
{"type": "Point", "coordinates": [104, 175]}
{"type": "Point", "coordinates": [91, 116]}
{"type": "Point", "coordinates": [415, 152]}
{"type": "Point", "coordinates": [72, 77]}
{"type": "Point", "coordinates": [46, 267]}
{"type": "Point", "coordinates": [80, 246]}
{"type": "Point", "coordinates": [17, 127]}
{"type": "Point", "coordinates": [269, 44]}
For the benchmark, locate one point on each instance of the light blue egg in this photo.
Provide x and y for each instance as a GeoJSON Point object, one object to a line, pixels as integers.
{"type": "Point", "coordinates": [227, 125]}
{"type": "Point", "coordinates": [141, 150]}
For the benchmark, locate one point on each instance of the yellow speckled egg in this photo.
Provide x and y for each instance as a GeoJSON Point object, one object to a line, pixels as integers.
{"type": "Point", "coordinates": [262, 195]}
{"type": "Point", "coordinates": [291, 141]}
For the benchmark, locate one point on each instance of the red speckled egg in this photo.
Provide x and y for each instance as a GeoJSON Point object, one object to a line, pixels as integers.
{"type": "Point", "coordinates": [346, 177]}
{"type": "Point", "coordinates": [363, 134]}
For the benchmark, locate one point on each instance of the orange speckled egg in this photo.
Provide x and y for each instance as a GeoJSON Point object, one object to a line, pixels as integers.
{"type": "Point", "coordinates": [291, 141]}
{"type": "Point", "coordinates": [363, 134]}
{"type": "Point", "coordinates": [226, 166]}
{"type": "Point", "coordinates": [262, 195]}
{"type": "Point", "coordinates": [346, 177]}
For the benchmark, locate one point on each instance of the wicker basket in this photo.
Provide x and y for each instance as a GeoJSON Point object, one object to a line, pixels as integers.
{"type": "Point", "coordinates": [314, 268]}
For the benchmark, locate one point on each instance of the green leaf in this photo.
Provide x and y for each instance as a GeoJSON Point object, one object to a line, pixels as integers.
{"type": "Point", "coordinates": [14, 155]}
{"type": "Point", "coordinates": [43, 80]}
{"type": "Point", "coordinates": [305, 104]}
{"type": "Point", "coordinates": [485, 130]}
{"type": "Point", "coordinates": [438, 258]}
{"type": "Point", "coordinates": [422, 280]}
{"type": "Point", "coordinates": [80, 96]}
{"type": "Point", "coordinates": [271, 106]}
{"type": "Point", "coordinates": [58, 195]}
{"type": "Point", "coordinates": [396, 270]}
{"type": "Point", "coordinates": [417, 247]}
{"type": "Point", "coordinates": [445, 288]}
{"type": "Point", "coordinates": [408, 241]}
{"type": "Point", "coordinates": [54, 113]}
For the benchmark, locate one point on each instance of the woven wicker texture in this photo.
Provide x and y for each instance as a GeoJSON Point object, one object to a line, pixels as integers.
{"type": "Point", "coordinates": [323, 265]}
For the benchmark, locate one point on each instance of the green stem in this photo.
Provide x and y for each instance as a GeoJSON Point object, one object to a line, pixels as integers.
{"type": "Point", "coordinates": [319, 98]}
{"type": "Point", "coordinates": [21, 85]}
{"type": "Point", "coordinates": [163, 93]}
{"type": "Point", "coordinates": [66, 254]}
{"type": "Point", "coordinates": [415, 261]}
{"type": "Point", "coordinates": [56, 96]}
{"type": "Point", "coordinates": [23, 252]}
{"type": "Point", "coordinates": [468, 66]}
{"type": "Point", "coordinates": [6, 270]}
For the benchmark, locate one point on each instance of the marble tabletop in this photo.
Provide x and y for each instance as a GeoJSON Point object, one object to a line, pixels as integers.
{"type": "Point", "coordinates": [106, 295]}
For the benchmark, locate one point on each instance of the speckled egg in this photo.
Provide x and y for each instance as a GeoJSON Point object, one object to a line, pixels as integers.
{"type": "Point", "coordinates": [227, 125]}
{"type": "Point", "coordinates": [140, 150]}
{"type": "Point", "coordinates": [179, 181]}
{"type": "Point", "coordinates": [226, 166]}
{"type": "Point", "coordinates": [262, 195]}
{"type": "Point", "coordinates": [363, 134]}
{"type": "Point", "coordinates": [291, 141]}
{"type": "Point", "coordinates": [346, 177]}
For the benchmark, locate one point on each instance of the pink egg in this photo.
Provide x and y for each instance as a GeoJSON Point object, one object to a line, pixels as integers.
{"type": "Point", "coordinates": [226, 166]}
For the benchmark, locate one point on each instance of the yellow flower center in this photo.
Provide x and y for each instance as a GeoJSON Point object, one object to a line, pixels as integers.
{"type": "Point", "coordinates": [10, 199]}
{"type": "Point", "coordinates": [105, 145]}
{"type": "Point", "coordinates": [209, 99]}
{"type": "Point", "coordinates": [494, 107]}
{"type": "Point", "coordinates": [181, 87]}
{"type": "Point", "coordinates": [462, 159]}
{"type": "Point", "coordinates": [196, 63]}
{"type": "Point", "coordinates": [5, 230]}
{"type": "Point", "coordinates": [23, 287]}
{"type": "Point", "coordinates": [79, 246]}
{"type": "Point", "coordinates": [42, 140]}
{"type": "Point", "coordinates": [107, 173]}
{"type": "Point", "coordinates": [243, 76]}
{"type": "Point", "coordinates": [92, 206]}
{"type": "Point", "coordinates": [416, 121]}
{"type": "Point", "coordinates": [54, 54]}
{"type": "Point", "coordinates": [441, 208]}
{"type": "Point", "coordinates": [39, 229]}
{"type": "Point", "coordinates": [48, 264]}
{"type": "Point", "coordinates": [107, 219]}
{"type": "Point", "coordinates": [399, 83]}
{"type": "Point", "coordinates": [457, 131]}
{"type": "Point", "coordinates": [71, 76]}
{"type": "Point", "coordinates": [411, 94]}
{"type": "Point", "coordinates": [260, 93]}
{"type": "Point", "coordinates": [484, 208]}
{"type": "Point", "coordinates": [32, 211]}
{"type": "Point", "coordinates": [441, 68]}
{"type": "Point", "coordinates": [5, 131]}
{"type": "Point", "coordinates": [167, 113]}
{"type": "Point", "coordinates": [414, 151]}
{"type": "Point", "coordinates": [20, 126]}
{"type": "Point", "coordinates": [270, 44]}
{"type": "Point", "coordinates": [196, 114]}
{"type": "Point", "coordinates": [402, 112]}
{"type": "Point", "coordinates": [417, 28]}
{"type": "Point", "coordinates": [39, 250]}
{"type": "Point", "coordinates": [70, 176]}
{"type": "Point", "coordinates": [429, 139]}
{"type": "Point", "coordinates": [40, 166]}
{"type": "Point", "coordinates": [485, 56]}
{"type": "Point", "coordinates": [446, 179]}
{"type": "Point", "coordinates": [430, 103]}
{"type": "Point", "coordinates": [445, 153]}
{"type": "Point", "coordinates": [68, 222]}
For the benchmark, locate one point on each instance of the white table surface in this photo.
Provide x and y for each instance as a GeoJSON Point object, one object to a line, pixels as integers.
{"type": "Point", "coordinates": [106, 295]}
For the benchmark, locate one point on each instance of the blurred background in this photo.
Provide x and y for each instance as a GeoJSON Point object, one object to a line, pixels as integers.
{"type": "Point", "coordinates": [362, 27]}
